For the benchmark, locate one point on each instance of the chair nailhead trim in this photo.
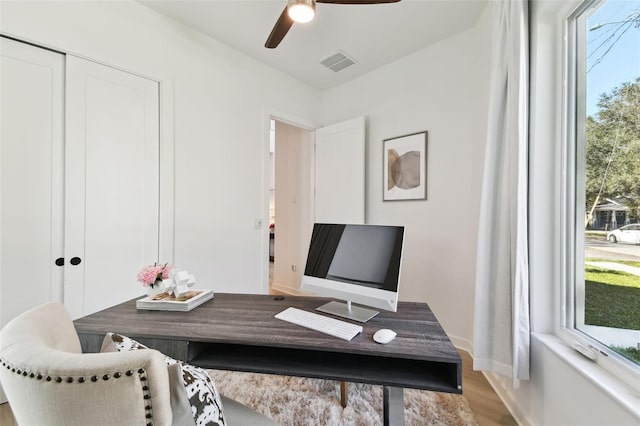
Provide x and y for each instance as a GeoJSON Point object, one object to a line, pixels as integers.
{"type": "Point", "coordinates": [95, 378]}
{"type": "Point", "coordinates": [147, 395]}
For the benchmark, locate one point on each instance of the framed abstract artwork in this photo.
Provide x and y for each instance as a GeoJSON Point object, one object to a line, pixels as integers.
{"type": "Point", "coordinates": [405, 167]}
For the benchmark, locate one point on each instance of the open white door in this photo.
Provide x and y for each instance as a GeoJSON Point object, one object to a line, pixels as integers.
{"type": "Point", "coordinates": [339, 173]}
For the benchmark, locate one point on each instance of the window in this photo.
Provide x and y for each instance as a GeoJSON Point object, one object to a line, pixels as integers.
{"type": "Point", "coordinates": [603, 192]}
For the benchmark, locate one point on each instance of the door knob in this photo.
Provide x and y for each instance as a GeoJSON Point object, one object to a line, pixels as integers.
{"type": "Point", "coordinates": [75, 261]}
{"type": "Point", "coordinates": [60, 261]}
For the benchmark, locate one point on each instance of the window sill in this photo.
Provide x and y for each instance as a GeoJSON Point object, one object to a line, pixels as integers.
{"type": "Point", "coordinates": [607, 382]}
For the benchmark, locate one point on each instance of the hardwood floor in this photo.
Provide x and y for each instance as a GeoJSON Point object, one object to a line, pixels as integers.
{"type": "Point", "coordinates": [483, 400]}
{"type": "Point", "coordinates": [6, 416]}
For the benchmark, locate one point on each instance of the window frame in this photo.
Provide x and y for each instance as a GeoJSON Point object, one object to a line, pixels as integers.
{"type": "Point", "coordinates": [573, 195]}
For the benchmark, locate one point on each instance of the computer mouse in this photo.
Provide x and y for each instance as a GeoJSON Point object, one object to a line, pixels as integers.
{"type": "Point", "coordinates": [384, 336]}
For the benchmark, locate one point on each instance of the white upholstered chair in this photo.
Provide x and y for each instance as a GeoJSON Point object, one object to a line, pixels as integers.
{"type": "Point", "coordinates": [48, 381]}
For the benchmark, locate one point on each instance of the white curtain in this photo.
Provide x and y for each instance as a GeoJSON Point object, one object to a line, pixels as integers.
{"type": "Point", "coordinates": [501, 319]}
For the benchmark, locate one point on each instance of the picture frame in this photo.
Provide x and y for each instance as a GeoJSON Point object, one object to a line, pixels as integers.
{"type": "Point", "coordinates": [405, 167]}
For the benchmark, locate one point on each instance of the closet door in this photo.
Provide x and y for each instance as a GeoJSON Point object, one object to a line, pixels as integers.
{"type": "Point", "coordinates": [31, 187]}
{"type": "Point", "coordinates": [112, 184]}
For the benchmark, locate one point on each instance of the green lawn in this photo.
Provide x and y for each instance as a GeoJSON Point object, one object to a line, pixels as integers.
{"type": "Point", "coordinates": [626, 262]}
{"type": "Point", "coordinates": [612, 299]}
{"type": "Point", "coordinates": [606, 276]}
{"type": "Point", "coordinates": [629, 262]}
{"type": "Point", "coordinates": [612, 305]}
{"type": "Point", "coordinates": [631, 353]}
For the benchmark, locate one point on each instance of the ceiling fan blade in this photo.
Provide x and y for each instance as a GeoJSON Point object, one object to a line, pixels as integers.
{"type": "Point", "coordinates": [357, 1]}
{"type": "Point", "coordinates": [279, 30]}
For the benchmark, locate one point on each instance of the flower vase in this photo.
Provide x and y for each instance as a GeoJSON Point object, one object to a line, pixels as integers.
{"type": "Point", "coordinates": [155, 289]}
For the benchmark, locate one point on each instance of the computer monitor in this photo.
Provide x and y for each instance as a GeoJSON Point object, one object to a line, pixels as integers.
{"type": "Point", "coordinates": [355, 263]}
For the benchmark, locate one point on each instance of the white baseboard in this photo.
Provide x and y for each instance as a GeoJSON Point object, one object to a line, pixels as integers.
{"type": "Point", "coordinates": [507, 399]}
{"type": "Point", "coordinates": [495, 382]}
{"type": "Point", "coordinates": [288, 290]}
{"type": "Point", "coordinates": [461, 343]}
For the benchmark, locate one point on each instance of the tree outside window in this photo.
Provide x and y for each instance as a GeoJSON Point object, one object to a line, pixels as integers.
{"type": "Point", "coordinates": [607, 294]}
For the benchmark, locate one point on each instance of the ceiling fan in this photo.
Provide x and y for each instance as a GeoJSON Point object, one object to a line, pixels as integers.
{"type": "Point", "coordinates": [304, 11]}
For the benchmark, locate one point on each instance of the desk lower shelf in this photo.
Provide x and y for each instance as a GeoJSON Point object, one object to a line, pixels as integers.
{"type": "Point", "coordinates": [435, 376]}
{"type": "Point", "coordinates": [388, 371]}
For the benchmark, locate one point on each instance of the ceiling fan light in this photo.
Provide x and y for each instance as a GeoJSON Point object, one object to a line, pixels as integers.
{"type": "Point", "coordinates": [301, 10]}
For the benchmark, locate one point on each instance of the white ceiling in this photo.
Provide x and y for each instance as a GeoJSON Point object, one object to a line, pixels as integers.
{"type": "Point", "coordinates": [374, 35]}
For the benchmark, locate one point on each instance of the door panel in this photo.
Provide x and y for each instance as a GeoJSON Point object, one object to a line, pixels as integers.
{"type": "Point", "coordinates": [112, 175]}
{"type": "Point", "coordinates": [31, 188]}
{"type": "Point", "coordinates": [339, 173]}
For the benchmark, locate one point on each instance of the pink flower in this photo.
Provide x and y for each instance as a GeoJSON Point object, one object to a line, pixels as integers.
{"type": "Point", "coordinates": [149, 274]}
{"type": "Point", "coordinates": [165, 271]}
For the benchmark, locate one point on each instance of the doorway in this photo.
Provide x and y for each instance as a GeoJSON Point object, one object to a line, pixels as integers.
{"type": "Point", "coordinates": [290, 204]}
{"type": "Point", "coordinates": [316, 174]}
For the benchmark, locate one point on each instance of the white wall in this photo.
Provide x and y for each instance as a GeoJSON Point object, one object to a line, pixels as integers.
{"type": "Point", "coordinates": [221, 99]}
{"type": "Point", "coordinates": [442, 89]}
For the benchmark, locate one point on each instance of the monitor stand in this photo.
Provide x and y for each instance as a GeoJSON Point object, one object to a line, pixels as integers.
{"type": "Point", "coordinates": [346, 310]}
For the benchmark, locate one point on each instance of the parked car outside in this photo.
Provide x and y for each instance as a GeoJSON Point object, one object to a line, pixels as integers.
{"type": "Point", "coordinates": [625, 234]}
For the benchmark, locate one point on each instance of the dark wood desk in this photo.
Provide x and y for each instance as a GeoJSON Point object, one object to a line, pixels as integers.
{"type": "Point", "coordinates": [239, 332]}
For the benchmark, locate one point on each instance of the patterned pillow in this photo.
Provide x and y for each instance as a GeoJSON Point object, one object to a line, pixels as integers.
{"type": "Point", "coordinates": [206, 406]}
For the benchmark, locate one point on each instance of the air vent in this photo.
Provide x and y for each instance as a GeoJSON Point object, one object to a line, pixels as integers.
{"type": "Point", "coordinates": [338, 61]}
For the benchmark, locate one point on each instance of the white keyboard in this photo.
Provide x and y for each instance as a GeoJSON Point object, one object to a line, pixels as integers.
{"type": "Point", "coordinates": [333, 327]}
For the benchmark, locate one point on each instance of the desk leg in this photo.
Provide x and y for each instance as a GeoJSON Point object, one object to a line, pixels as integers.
{"type": "Point", "coordinates": [393, 406]}
{"type": "Point", "coordinates": [344, 394]}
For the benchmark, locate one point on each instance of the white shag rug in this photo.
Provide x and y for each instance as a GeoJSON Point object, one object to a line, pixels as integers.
{"type": "Point", "coordinates": [294, 401]}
